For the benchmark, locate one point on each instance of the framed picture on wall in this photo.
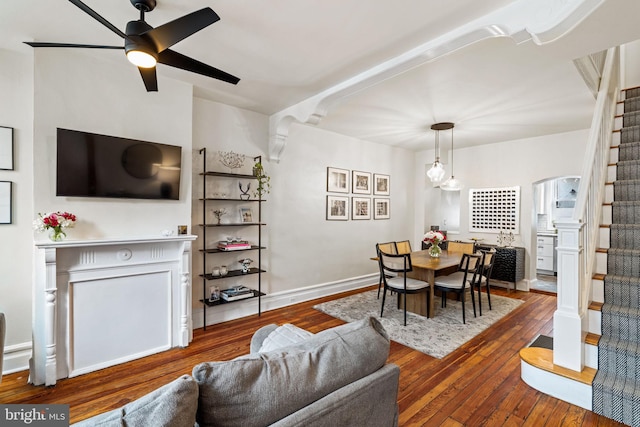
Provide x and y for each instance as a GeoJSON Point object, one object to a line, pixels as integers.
{"type": "Point", "coordinates": [360, 208]}
{"type": "Point", "coordinates": [381, 209]}
{"type": "Point", "coordinates": [337, 180]}
{"type": "Point", "coordinates": [6, 148]}
{"type": "Point", "coordinates": [337, 208]}
{"type": "Point", "coordinates": [361, 182]}
{"type": "Point", "coordinates": [381, 184]}
{"type": "Point", "coordinates": [5, 202]}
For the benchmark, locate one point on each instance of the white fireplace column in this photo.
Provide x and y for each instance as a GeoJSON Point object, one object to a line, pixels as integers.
{"type": "Point", "coordinates": [98, 303]}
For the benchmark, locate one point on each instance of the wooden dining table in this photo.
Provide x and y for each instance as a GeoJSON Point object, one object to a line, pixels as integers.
{"type": "Point", "coordinates": [427, 268]}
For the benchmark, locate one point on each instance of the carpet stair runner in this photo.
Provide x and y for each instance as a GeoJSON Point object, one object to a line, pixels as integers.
{"type": "Point", "coordinates": [616, 387]}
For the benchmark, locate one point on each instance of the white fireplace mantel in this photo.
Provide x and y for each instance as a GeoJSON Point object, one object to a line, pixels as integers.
{"type": "Point", "coordinates": [98, 303]}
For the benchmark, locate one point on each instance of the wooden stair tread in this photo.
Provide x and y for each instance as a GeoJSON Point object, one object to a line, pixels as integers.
{"type": "Point", "coordinates": [605, 225]}
{"type": "Point", "coordinates": [595, 306]}
{"type": "Point", "coordinates": [592, 338]}
{"type": "Point", "coordinates": [542, 358]}
{"type": "Point", "coordinates": [598, 276]}
{"type": "Point", "coordinates": [602, 250]}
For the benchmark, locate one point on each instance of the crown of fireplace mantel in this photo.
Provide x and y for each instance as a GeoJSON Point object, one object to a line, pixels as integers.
{"type": "Point", "coordinates": [101, 302]}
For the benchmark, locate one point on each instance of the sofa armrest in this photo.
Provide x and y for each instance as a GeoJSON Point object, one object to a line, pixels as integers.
{"type": "Point", "coordinates": [260, 335]}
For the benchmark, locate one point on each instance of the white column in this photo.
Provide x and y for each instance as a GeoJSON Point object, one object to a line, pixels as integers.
{"type": "Point", "coordinates": [568, 348]}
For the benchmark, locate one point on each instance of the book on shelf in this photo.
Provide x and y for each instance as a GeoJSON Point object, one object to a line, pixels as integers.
{"type": "Point", "coordinates": [233, 246]}
{"type": "Point", "coordinates": [236, 294]}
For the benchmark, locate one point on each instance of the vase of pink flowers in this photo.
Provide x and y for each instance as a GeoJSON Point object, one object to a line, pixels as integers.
{"type": "Point", "coordinates": [434, 237]}
{"type": "Point", "coordinates": [55, 223]}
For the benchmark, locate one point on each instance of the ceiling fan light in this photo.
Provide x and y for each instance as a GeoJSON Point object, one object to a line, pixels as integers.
{"type": "Point", "coordinates": [142, 59]}
{"type": "Point", "coordinates": [436, 173]}
{"type": "Point", "coordinates": [452, 184]}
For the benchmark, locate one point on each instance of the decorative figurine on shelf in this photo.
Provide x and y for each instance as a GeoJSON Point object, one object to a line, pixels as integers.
{"type": "Point", "coordinates": [219, 213]}
{"type": "Point", "coordinates": [505, 239]}
{"type": "Point", "coordinates": [231, 160]}
{"type": "Point", "coordinates": [245, 193]}
{"type": "Point", "coordinates": [434, 237]}
{"type": "Point", "coordinates": [246, 262]}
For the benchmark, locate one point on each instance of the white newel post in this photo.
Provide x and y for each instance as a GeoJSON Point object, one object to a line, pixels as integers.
{"type": "Point", "coordinates": [98, 303]}
{"type": "Point", "coordinates": [568, 349]}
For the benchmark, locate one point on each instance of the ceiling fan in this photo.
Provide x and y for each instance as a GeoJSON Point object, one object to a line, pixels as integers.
{"type": "Point", "coordinates": [145, 46]}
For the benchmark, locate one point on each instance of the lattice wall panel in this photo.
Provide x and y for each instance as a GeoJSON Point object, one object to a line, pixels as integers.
{"type": "Point", "coordinates": [492, 210]}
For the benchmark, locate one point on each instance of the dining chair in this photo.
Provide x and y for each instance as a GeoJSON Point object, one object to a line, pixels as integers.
{"type": "Point", "coordinates": [462, 280]}
{"type": "Point", "coordinates": [393, 270]}
{"type": "Point", "coordinates": [488, 259]}
{"type": "Point", "coordinates": [403, 247]}
{"type": "Point", "coordinates": [389, 248]}
{"type": "Point", "coordinates": [462, 247]}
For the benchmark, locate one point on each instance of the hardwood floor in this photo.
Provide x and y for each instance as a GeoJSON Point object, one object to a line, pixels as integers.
{"type": "Point", "coordinates": [476, 385]}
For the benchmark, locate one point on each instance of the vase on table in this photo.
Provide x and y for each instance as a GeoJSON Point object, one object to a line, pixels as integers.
{"type": "Point", "coordinates": [435, 251]}
{"type": "Point", "coordinates": [57, 235]}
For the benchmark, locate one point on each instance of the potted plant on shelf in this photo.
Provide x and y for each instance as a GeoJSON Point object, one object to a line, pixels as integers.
{"type": "Point", "coordinates": [264, 180]}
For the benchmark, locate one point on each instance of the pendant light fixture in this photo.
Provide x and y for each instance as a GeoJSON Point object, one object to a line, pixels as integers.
{"type": "Point", "coordinates": [452, 184]}
{"type": "Point", "coordinates": [436, 173]}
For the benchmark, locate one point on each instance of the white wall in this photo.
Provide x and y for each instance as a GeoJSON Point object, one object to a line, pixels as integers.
{"type": "Point", "coordinates": [16, 111]}
{"type": "Point", "coordinates": [306, 248]}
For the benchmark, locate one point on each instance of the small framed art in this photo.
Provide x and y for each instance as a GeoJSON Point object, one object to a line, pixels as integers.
{"type": "Point", "coordinates": [337, 180]}
{"type": "Point", "coordinates": [381, 209]}
{"type": "Point", "coordinates": [337, 208]}
{"type": "Point", "coordinates": [361, 182]}
{"type": "Point", "coordinates": [5, 202]}
{"type": "Point", "coordinates": [6, 148]}
{"type": "Point", "coordinates": [246, 215]}
{"type": "Point", "coordinates": [361, 208]}
{"type": "Point", "coordinates": [381, 184]}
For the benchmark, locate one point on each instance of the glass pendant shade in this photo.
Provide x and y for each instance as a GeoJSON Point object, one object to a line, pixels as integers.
{"type": "Point", "coordinates": [436, 173]}
{"type": "Point", "coordinates": [452, 184]}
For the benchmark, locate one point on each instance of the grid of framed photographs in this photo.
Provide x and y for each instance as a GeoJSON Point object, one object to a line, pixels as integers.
{"type": "Point", "coordinates": [358, 206]}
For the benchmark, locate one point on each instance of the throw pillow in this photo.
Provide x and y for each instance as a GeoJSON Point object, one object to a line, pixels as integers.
{"type": "Point", "coordinates": [262, 388]}
{"type": "Point", "coordinates": [172, 405]}
{"type": "Point", "coordinates": [284, 335]}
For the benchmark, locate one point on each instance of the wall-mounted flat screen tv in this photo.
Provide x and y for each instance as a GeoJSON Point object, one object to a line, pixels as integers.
{"type": "Point", "coordinates": [92, 165]}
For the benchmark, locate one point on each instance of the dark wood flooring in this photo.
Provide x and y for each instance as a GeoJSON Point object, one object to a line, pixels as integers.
{"type": "Point", "coordinates": [476, 385]}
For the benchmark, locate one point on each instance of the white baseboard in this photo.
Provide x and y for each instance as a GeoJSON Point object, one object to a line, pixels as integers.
{"type": "Point", "coordinates": [223, 313]}
{"type": "Point", "coordinates": [16, 358]}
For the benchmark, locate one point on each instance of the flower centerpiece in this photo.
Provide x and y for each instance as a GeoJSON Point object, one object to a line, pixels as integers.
{"type": "Point", "coordinates": [434, 237]}
{"type": "Point", "coordinates": [56, 223]}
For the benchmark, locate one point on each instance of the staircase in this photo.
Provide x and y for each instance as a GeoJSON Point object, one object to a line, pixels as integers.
{"type": "Point", "coordinates": [616, 386]}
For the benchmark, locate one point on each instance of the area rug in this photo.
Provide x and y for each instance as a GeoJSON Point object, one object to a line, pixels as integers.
{"type": "Point", "coordinates": [436, 336]}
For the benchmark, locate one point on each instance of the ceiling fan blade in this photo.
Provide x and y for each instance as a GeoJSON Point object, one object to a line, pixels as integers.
{"type": "Point", "coordinates": [86, 46]}
{"type": "Point", "coordinates": [172, 32]}
{"type": "Point", "coordinates": [175, 59]}
{"type": "Point", "coordinates": [149, 78]}
{"type": "Point", "coordinates": [98, 18]}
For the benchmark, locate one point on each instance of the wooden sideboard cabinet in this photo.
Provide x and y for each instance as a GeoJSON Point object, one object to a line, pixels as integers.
{"type": "Point", "coordinates": [509, 265]}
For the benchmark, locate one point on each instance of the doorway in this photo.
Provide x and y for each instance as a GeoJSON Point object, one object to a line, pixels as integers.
{"type": "Point", "coordinates": [554, 199]}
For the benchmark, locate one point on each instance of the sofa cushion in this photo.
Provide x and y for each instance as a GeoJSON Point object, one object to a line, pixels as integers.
{"type": "Point", "coordinates": [283, 336]}
{"type": "Point", "coordinates": [261, 388]}
{"type": "Point", "coordinates": [172, 405]}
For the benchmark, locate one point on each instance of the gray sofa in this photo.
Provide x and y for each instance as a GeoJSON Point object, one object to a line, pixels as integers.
{"type": "Point", "coordinates": [338, 377]}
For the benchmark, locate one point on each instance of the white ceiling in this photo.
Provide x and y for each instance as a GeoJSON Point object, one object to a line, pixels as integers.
{"type": "Point", "coordinates": [286, 51]}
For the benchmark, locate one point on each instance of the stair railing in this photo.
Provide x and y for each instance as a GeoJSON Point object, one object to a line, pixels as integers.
{"type": "Point", "coordinates": [578, 236]}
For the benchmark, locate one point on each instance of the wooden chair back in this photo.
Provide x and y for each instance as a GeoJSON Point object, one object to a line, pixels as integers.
{"type": "Point", "coordinates": [462, 247]}
{"type": "Point", "coordinates": [403, 247]}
